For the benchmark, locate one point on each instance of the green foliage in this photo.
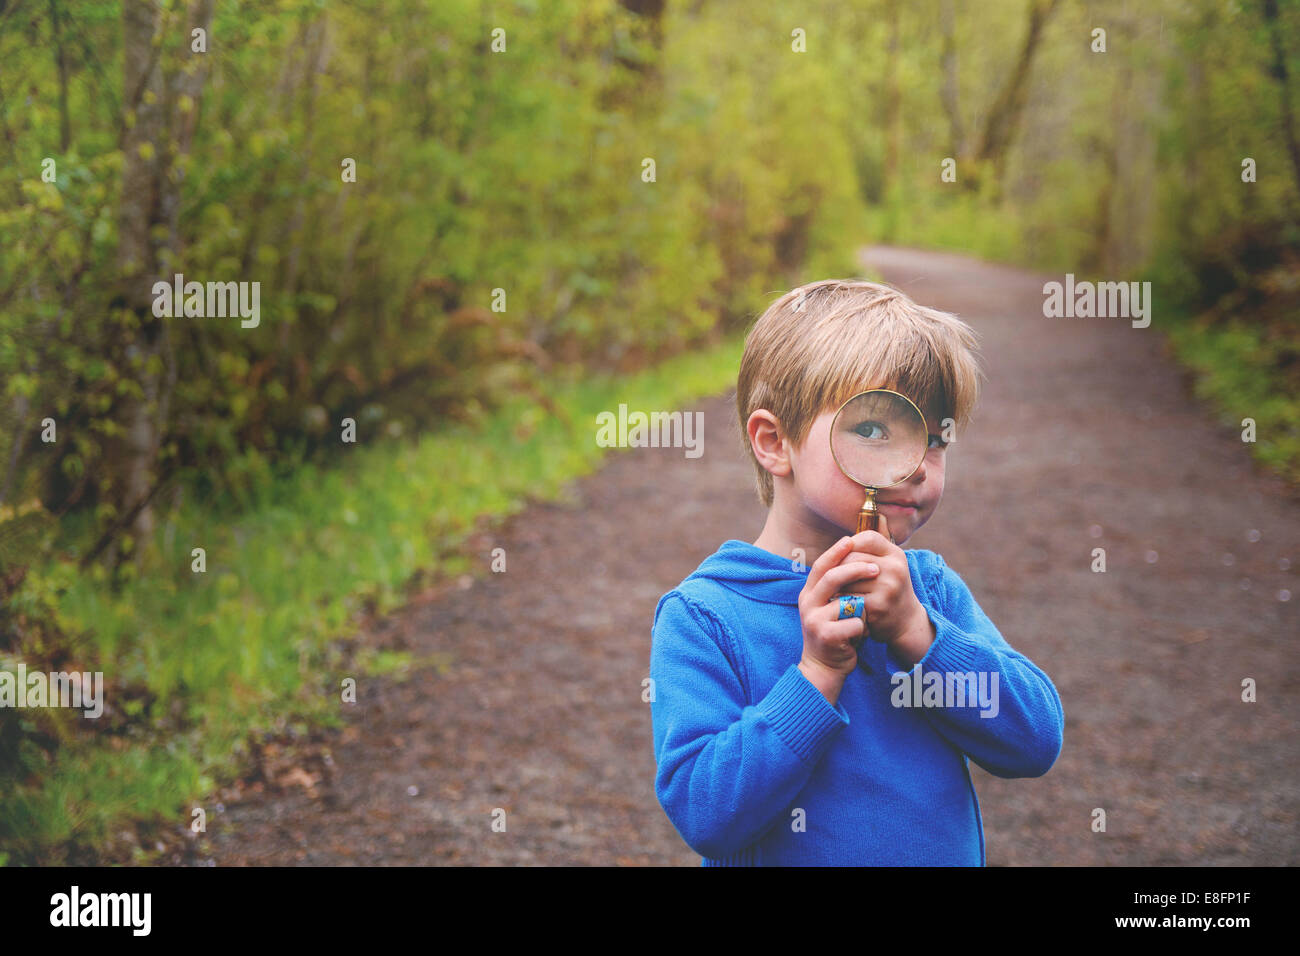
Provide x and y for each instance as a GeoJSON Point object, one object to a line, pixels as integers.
{"type": "Point", "coordinates": [195, 663]}
{"type": "Point", "coordinates": [476, 171]}
{"type": "Point", "coordinates": [1237, 370]}
{"type": "Point", "coordinates": [1128, 165]}
{"type": "Point", "coordinates": [519, 171]}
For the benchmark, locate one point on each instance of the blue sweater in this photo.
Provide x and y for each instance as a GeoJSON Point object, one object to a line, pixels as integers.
{"type": "Point", "coordinates": [755, 767]}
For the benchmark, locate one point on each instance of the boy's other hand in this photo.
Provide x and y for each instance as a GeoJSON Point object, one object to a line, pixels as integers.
{"type": "Point", "coordinates": [829, 654]}
{"type": "Point", "coordinates": [884, 581]}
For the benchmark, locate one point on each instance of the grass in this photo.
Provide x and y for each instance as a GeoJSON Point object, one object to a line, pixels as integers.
{"type": "Point", "coordinates": [963, 223]}
{"type": "Point", "coordinates": [201, 661]}
{"type": "Point", "coordinates": [1237, 373]}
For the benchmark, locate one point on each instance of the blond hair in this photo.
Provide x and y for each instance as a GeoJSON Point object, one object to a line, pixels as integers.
{"type": "Point", "coordinates": [821, 343]}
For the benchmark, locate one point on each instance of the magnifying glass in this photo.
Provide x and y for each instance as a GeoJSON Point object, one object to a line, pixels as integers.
{"type": "Point", "coordinates": [878, 439]}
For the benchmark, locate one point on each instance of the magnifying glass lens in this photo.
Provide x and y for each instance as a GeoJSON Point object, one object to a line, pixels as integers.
{"type": "Point", "coordinates": [878, 438]}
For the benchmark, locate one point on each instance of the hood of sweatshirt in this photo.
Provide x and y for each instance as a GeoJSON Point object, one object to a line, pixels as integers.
{"type": "Point", "coordinates": [760, 575]}
{"type": "Point", "coordinates": [754, 572]}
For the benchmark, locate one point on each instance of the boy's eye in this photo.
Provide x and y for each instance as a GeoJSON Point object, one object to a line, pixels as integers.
{"type": "Point", "coordinates": [936, 441]}
{"type": "Point", "coordinates": [873, 430]}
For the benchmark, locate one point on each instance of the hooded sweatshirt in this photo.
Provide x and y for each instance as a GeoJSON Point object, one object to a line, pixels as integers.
{"type": "Point", "coordinates": [756, 767]}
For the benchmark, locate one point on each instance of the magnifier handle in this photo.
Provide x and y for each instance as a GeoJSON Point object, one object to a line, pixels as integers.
{"type": "Point", "coordinates": [870, 521]}
{"type": "Point", "coordinates": [867, 521]}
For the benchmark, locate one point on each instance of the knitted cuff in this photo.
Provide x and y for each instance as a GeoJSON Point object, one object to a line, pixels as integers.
{"type": "Point", "coordinates": [800, 714]}
{"type": "Point", "coordinates": [951, 650]}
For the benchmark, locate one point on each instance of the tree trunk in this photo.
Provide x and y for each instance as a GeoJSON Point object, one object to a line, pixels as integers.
{"type": "Point", "coordinates": [1004, 117]}
{"type": "Point", "coordinates": [893, 103]}
{"type": "Point", "coordinates": [948, 92]}
{"type": "Point", "coordinates": [140, 211]}
{"type": "Point", "coordinates": [650, 18]}
{"type": "Point", "coordinates": [1280, 73]}
{"type": "Point", "coordinates": [652, 14]}
{"type": "Point", "coordinates": [61, 62]}
{"type": "Point", "coordinates": [17, 426]}
{"type": "Point", "coordinates": [293, 236]}
{"type": "Point", "coordinates": [161, 116]}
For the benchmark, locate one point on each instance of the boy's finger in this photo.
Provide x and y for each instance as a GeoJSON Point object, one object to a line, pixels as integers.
{"type": "Point", "coordinates": [856, 555]}
{"type": "Point", "coordinates": [851, 630]}
{"type": "Point", "coordinates": [839, 578]}
{"type": "Point", "coordinates": [873, 542]}
{"type": "Point", "coordinates": [844, 630]}
{"type": "Point", "coordinates": [816, 574]}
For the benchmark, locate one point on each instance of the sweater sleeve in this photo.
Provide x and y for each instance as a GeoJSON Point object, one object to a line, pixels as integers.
{"type": "Point", "coordinates": [727, 771]}
{"type": "Point", "coordinates": [1019, 730]}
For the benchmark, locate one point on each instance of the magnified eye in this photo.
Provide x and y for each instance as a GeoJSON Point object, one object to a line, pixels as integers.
{"type": "Point", "coordinates": [873, 430]}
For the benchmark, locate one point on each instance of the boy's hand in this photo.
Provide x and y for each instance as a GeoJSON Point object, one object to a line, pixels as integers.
{"type": "Point", "coordinates": [829, 655]}
{"type": "Point", "coordinates": [884, 581]}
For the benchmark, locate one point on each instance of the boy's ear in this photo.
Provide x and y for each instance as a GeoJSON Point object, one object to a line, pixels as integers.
{"type": "Point", "coordinates": [767, 442]}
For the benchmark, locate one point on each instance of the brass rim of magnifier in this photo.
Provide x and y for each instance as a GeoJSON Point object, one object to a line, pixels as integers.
{"type": "Point", "coordinates": [840, 465]}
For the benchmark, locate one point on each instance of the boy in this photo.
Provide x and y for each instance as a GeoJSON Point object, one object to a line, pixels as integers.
{"type": "Point", "coordinates": [783, 737]}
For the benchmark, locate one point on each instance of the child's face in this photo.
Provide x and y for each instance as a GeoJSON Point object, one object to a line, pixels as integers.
{"type": "Point", "coordinates": [836, 499]}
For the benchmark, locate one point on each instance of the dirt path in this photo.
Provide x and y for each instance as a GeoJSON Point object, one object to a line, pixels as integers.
{"type": "Point", "coordinates": [1086, 437]}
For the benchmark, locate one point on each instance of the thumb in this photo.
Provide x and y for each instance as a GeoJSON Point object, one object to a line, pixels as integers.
{"type": "Point", "coordinates": [883, 527]}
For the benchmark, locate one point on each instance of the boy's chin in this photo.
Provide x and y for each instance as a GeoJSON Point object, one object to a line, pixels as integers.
{"type": "Point", "coordinates": [900, 531]}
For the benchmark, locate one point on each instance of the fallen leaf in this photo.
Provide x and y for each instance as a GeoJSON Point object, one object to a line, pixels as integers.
{"type": "Point", "coordinates": [300, 777]}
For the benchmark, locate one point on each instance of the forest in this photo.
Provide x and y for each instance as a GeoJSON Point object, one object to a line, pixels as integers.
{"type": "Point", "coordinates": [243, 242]}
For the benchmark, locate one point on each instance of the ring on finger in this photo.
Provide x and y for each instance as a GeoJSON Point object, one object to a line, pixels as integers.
{"type": "Point", "coordinates": [851, 605]}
